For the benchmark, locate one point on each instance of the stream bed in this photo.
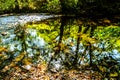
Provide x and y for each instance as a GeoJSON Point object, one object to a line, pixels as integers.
{"type": "Point", "coordinates": [62, 42]}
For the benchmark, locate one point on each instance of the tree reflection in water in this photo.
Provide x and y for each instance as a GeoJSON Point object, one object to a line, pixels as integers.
{"type": "Point", "coordinates": [63, 43]}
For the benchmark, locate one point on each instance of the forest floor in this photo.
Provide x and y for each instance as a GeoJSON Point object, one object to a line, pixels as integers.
{"type": "Point", "coordinates": [39, 72]}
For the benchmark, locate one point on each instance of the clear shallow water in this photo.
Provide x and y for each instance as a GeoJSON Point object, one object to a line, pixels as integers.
{"type": "Point", "coordinates": [60, 37]}
{"type": "Point", "coordinates": [12, 21]}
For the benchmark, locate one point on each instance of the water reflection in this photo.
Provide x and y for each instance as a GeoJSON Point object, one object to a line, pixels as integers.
{"type": "Point", "coordinates": [73, 42]}
{"type": "Point", "coordinates": [64, 43]}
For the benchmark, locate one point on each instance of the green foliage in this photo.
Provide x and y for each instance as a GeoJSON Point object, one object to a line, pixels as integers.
{"type": "Point", "coordinates": [28, 4]}
{"type": "Point", "coordinates": [88, 7]}
{"type": "Point", "coordinates": [110, 35]}
{"type": "Point", "coordinates": [70, 3]}
{"type": "Point", "coordinates": [47, 31]}
{"type": "Point", "coordinates": [53, 5]}
{"type": "Point", "coordinates": [16, 5]}
{"type": "Point", "coordinates": [7, 4]}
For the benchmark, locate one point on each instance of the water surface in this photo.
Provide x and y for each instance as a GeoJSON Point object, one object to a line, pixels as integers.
{"type": "Point", "coordinates": [60, 41]}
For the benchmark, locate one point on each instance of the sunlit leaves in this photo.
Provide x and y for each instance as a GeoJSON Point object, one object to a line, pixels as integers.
{"type": "Point", "coordinates": [118, 42]}
{"type": "Point", "coordinates": [26, 3]}
{"type": "Point", "coordinates": [73, 31]}
{"type": "Point", "coordinates": [31, 4]}
{"type": "Point", "coordinates": [39, 26]}
{"type": "Point", "coordinates": [5, 4]}
{"type": "Point", "coordinates": [10, 5]}
{"type": "Point", "coordinates": [108, 32]}
{"type": "Point", "coordinates": [51, 7]}
{"type": "Point", "coordinates": [86, 38]}
{"type": "Point", "coordinates": [110, 35]}
{"type": "Point", "coordinates": [48, 32]}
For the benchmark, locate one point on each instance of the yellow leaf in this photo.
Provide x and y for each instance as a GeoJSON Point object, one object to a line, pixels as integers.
{"type": "Point", "coordinates": [71, 43]}
{"type": "Point", "coordinates": [66, 50]}
{"type": "Point", "coordinates": [31, 5]}
{"type": "Point", "coordinates": [12, 64]}
{"type": "Point", "coordinates": [42, 66]}
{"type": "Point", "coordinates": [56, 48]}
{"type": "Point", "coordinates": [2, 49]}
{"type": "Point", "coordinates": [45, 78]}
{"type": "Point", "coordinates": [62, 46]}
{"type": "Point", "coordinates": [118, 43]}
{"type": "Point", "coordinates": [1, 54]}
{"type": "Point", "coordinates": [27, 61]}
{"type": "Point", "coordinates": [103, 69]}
{"type": "Point", "coordinates": [106, 21]}
{"type": "Point", "coordinates": [6, 68]}
{"type": "Point", "coordinates": [114, 74]}
{"type": "Point", "coordinates": [18, 58]}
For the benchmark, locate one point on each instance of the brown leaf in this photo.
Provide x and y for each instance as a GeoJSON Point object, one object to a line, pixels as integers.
{"type": "Point", "coordinates": [106, 21]}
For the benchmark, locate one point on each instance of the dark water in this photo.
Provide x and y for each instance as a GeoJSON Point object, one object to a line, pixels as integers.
{"type": "Point", "coordinates": [61, 41]}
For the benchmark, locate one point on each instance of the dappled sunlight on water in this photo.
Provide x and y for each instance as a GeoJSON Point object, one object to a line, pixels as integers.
{"type": "Point", "coordinates": [63, 43]}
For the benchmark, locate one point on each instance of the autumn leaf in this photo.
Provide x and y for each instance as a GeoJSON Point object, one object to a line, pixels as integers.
{"type": "Point", "coordinates": [45, 78]}
{"type": "Point", "coordinates": [27, 61]}
{"type": "Point", "coordinates": [12, 64]}
{"type": "Point", "coordinates": [42, 66]}
{"type": "Point", "coordinates": [71, 44]}
{"type": "Point", "coordinates": [66, 50]}
{"type": "Point", "coordinates": [2, 49]}
{"type": "Point", "coordinates": [103, 69]}
{"type": "Point", "coordinates": [107, 21]}
{"type": "Point", "coordinates": [62, 46]}
{"type": "Point", "coordinates": [18, 58]}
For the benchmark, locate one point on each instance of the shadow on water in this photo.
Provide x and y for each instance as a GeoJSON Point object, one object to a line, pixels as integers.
{"type": "Point", "coordinates": [63, 43]}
